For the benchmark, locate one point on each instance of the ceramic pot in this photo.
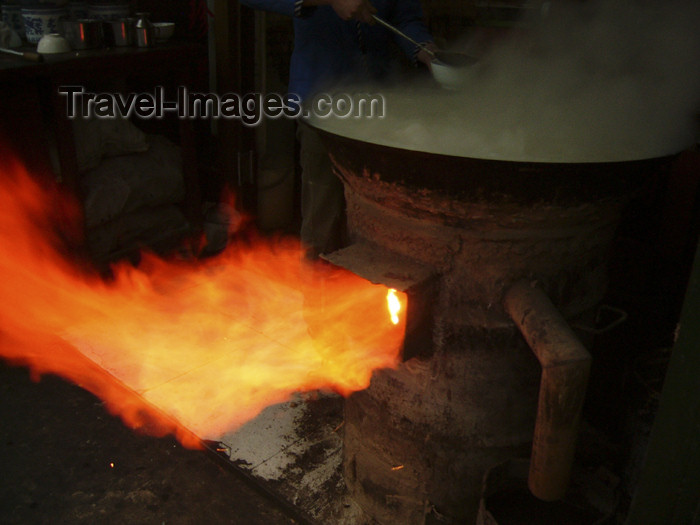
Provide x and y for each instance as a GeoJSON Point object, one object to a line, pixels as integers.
{"type": "Point", "coordinates": [40, 21]}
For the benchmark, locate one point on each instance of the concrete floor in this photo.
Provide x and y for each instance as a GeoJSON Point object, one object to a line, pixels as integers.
{"type": "Point", "coordinates": [65, 460]}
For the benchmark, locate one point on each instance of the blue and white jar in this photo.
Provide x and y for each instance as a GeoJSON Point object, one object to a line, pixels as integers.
{"type": "Point", "coordinates": [40, 21]}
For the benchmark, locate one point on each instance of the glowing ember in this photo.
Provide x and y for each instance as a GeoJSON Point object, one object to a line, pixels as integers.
{"type": "Point", "coordinates": [394, 305]}
{"type": "Point", "coordinates": [207, 344]}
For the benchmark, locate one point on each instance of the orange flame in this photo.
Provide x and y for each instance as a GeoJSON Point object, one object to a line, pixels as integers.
{"type": "Point", "coordinates": [190, 348]}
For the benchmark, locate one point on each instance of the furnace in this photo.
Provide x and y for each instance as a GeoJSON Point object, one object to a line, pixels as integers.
{"type": "Point", "coordinates": [499, 260]}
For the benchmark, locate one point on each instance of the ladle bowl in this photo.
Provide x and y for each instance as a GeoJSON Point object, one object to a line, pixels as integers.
{"type": "Point", "coordinates": [451, 69]}
{"type": "Point", "coordinates": [449, 77]}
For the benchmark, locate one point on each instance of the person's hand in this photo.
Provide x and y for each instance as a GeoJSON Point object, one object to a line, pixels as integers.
{"type": "Point", "coordinates": [425, 57]}
{"type": "Point", "coordinates": [361, 10]}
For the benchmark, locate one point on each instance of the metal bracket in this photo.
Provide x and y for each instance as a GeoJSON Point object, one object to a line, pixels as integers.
{"type": "Point", "coordinates": [604, 311]}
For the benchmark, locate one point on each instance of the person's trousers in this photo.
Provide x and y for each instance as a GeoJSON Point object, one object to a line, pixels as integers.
{"type": "Point", "coordinates": [322, 198]}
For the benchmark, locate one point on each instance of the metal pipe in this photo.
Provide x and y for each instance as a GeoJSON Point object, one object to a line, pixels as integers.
{"type": "Point", "coordinates": [565, 369]}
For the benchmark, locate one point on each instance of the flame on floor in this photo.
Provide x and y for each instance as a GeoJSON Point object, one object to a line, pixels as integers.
{"type": "Point", "coordinates": [205, 345]}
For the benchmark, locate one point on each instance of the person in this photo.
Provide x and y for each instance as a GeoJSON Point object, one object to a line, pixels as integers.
{"type": "Point", "coordinates": [338, 40]}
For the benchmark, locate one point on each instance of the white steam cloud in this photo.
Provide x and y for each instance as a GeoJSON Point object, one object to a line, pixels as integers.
{"type": "Point", "coordinates": [591, 81]}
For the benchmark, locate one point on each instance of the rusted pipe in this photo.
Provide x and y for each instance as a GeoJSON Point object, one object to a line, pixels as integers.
{"type": "Point", "coordinates": [565, 369]}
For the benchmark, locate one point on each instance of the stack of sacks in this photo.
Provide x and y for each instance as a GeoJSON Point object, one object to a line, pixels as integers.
{"type": "Point", "coordinates": [132, 184]}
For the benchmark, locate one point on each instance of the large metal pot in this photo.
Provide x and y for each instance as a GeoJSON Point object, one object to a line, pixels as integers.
{"type": "Point", "coordinates": [467, 178]}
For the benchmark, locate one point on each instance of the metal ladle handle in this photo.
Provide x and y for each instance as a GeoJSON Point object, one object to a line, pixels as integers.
{"type": "Point", "coordinates": [29, 55]}
{"type": "Point", "coordinates": [402, 34]}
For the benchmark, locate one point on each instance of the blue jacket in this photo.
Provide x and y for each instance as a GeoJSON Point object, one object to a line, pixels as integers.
{"type": "Point", "coordinates": [328, 50]}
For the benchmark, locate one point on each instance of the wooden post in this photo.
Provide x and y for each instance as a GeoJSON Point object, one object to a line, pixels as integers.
{"type": "Point", "coordinates": [234, 32]}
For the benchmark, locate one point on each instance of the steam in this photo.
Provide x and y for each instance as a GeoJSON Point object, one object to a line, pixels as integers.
{"type": "Point", "coordinates": [602, 80]}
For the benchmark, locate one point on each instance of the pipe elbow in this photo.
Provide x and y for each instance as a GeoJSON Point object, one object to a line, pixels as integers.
{"type": "Point", "coordinates": [565, 369]}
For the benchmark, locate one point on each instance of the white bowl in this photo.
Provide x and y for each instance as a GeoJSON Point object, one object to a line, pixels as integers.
{"type": "Point", "coordinates": [53, 43]}
{"type": "Point", "coordinates": [163, 30]}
